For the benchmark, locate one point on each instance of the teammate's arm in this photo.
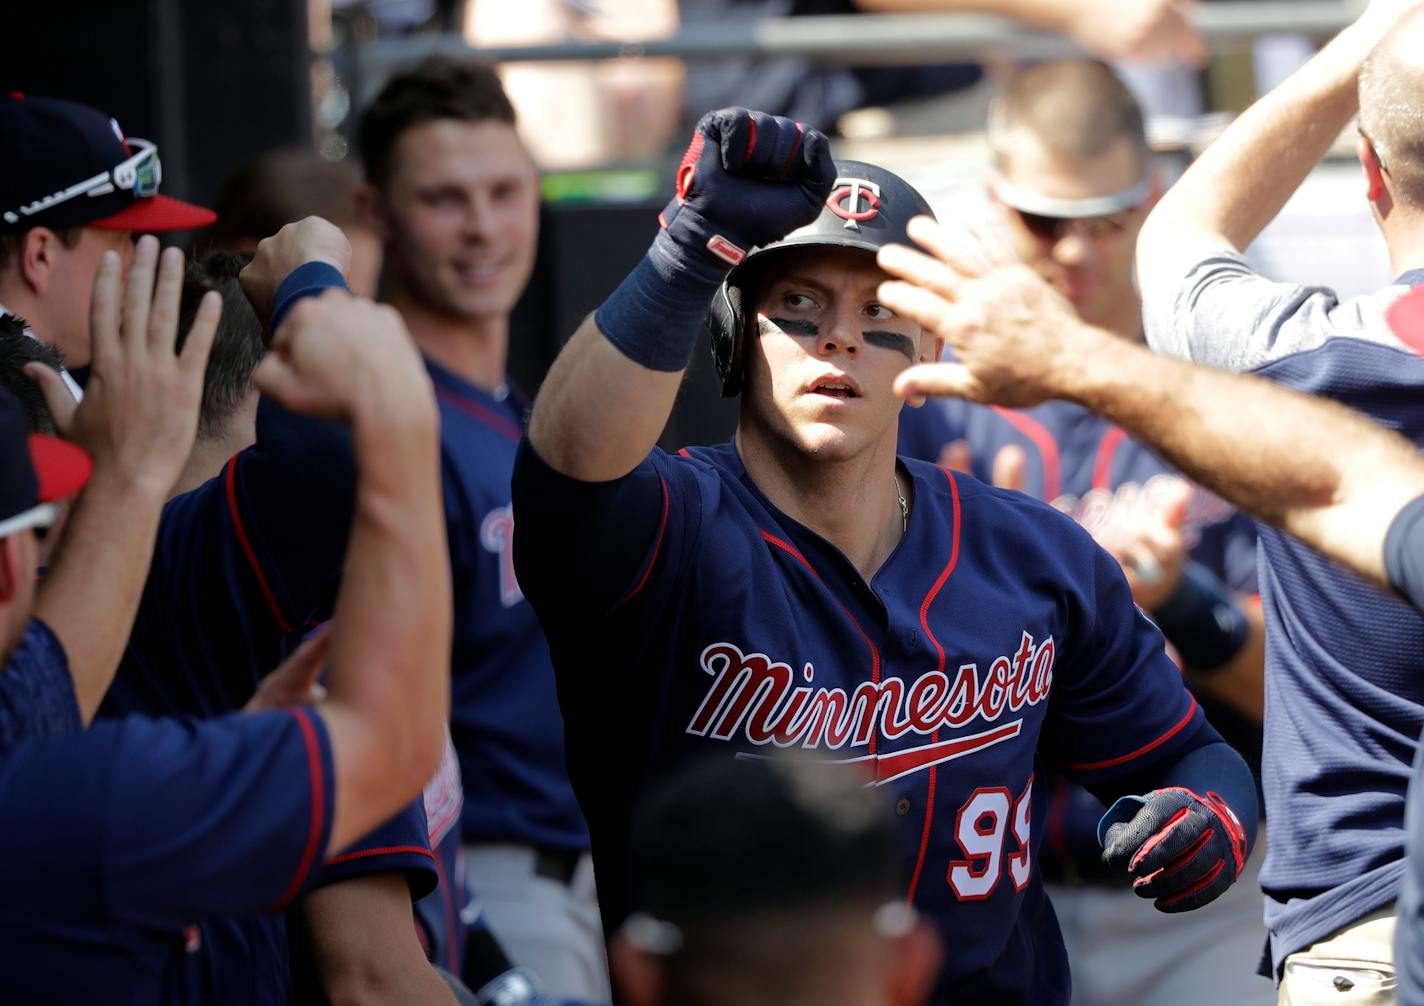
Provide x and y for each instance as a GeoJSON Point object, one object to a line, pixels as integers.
{"type": "Point", "coordinates": [1242, 180]}
{"type": "Point", "coordinates": [1153, 30]}
{"type": "Point", "coordinates": [388, 687]}
{"type": "Point", "coordinates": [1019, 343]}
{"type": "Point", "coordinates": [746, 179]}
{"type": "Point", "coordinates": [138, 421]}
{"type": "Point", "coordinates": [365, 945]}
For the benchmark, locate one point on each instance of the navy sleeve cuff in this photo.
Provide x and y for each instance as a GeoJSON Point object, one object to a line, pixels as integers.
{"type": "Point", "coordinates": [1404, 552]}
{"type": "Point", "coordinates": [307, 280]}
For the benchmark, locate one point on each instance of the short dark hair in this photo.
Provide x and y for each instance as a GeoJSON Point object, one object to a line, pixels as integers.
{"type": "Point", "coordinates": [728, 848]}
{"type": "Point", "coordinates": [238, 345]}
{"type": "Point", "coordinates": [10, 244]}
{"type": "Point", "coordinates": [1391, 112]}
{"type": "Point", "coordinates": [18, 348]}
{"type": "Point", "coordinates": [1077, 108]}
{"type": "Point", "coordinates": [283, 186]}
{"type": "Point", "coordinates": [439, 87]}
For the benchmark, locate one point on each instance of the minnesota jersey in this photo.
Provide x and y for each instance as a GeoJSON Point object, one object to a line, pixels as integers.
{"type": "Point", "coordinates": [688, 616]}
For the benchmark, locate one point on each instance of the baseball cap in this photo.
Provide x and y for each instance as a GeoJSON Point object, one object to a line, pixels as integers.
{"type": "Point", "coordinates": [69, 165]}
{"type": "Point", "coordinates": [35, 470]}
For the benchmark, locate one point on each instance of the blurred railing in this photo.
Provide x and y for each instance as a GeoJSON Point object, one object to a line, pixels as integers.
{"type": "Point", "coordinates": [870, 39]}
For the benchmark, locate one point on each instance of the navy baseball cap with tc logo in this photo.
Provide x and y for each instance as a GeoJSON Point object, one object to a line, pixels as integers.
{"type": "Point", "coordinates": [69, 165]}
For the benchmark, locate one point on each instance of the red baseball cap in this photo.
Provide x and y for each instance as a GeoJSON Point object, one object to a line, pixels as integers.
{"type": "Point", "coordinates": [69, 165]}
{"type": "Point", "coordinates": [35, 470]}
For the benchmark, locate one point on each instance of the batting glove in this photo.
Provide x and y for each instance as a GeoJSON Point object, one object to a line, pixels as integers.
{"type": "Point", "coordinates": [1181, 849]}
{"type": "Point", "coordinates": [724, 203]}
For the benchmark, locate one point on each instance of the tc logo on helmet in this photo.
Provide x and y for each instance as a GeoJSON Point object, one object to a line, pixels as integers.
{"type": "Point", "coordinates": [845, 201]}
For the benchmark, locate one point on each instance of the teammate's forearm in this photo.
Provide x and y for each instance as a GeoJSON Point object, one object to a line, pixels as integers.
{"type": "Point", "coordinates": [390, 652]}
{"type": "Point", "coordinates": [1055, 15]}
{"type": "Point", "coordinates": [1242, 180]}
{"type": "Point", "coordinates": [92, 590]}
{"type": "Point", "coordinates": [1239, 436]}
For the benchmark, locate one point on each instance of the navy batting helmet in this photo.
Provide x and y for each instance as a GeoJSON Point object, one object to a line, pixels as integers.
{"type": "Point", "coordinates": [868, 208]}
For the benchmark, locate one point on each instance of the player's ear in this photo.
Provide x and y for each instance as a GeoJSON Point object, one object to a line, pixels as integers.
{"type": "Point", "coordinates": [914, 966]}
{"type": "Point", "coordinates": [1374, 170]}
{"type": "Point", "coordinates": [38, 248]}
{"type": "Point", "coordinates": [637, 974]}
{"type": "Point", "coordinates": [370, 209]}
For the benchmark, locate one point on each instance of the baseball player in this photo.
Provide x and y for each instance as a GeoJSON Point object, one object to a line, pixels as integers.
{"type": "Point", "coordinates": [801, 587]}
{"type": "Point", "coordinates": [168, 822]}
{"type": "Point", "coordinates": [454, 196]}
{"type": "Point", "coordinates": [1071, 183]}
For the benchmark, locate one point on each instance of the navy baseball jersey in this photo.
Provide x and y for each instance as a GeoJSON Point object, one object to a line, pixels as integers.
{"type": "Point", "coordinates": [122, 837]}
{"type": "Point", "coordinates": [243, 565]}
{"type": "Point", "coordinates": [687, 615]}
{"type": "Point", "coordinates": [36, 692]}
{"type": "Point", "coordinates": [1344, 696]}
{"type": "Point", "coordinates": [504, 715]}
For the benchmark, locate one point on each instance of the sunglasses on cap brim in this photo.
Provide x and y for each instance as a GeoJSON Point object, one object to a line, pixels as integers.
{"type": "Point", "coordinates": [1049, 218]}
{"type": "Point", "coordinates": [140, 174]}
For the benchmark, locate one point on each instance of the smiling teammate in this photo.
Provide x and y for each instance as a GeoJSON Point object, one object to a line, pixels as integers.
{"type": "Point", "coordinates": [800, 586]}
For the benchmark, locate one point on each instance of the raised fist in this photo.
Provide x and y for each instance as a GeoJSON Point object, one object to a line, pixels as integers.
{"type": "Point", "coordinates": [747, 179]}
{"type": "Point", "coordinates": [310, 239]}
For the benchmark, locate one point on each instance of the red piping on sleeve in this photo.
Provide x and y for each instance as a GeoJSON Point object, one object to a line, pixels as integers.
{"type": "Point", "coordinates": [242, 540]}
{"type": "Point", "coordinates": [652, 559]}
{"type": "Point", "coordinates": [318, 808]}
{"type": "Point", "coordinates": [391, 850]}
{"type": "Point", "coordinates": [1039, 436]}
{"type": "Point", "coordinates": [493, 420]}
{"type": "Point", "coordinates": [1111, 762]}
{"type": "Point", "coordinates": [1107, 454]}
{"type": "Point", "coordinates": [939, 650]}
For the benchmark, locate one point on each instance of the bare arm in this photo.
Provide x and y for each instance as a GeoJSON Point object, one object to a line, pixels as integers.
{"type": "Point", "coordinates": [1242, 180]}
{"type": "Point", "coordinates": [599, 413]}
{"type": "Point", "coordinates": [1019, 343]}
{"type": "Point", "coordinates": [365, 945]}
{"type": "Point", "coordinates": [388, 690]}
{"type": "Point", "coordinates": [1157, 30]}
{"type": "Point", "coordinates": [137, 421]}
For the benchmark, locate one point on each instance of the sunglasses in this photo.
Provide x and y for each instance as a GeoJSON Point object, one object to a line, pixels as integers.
{"type": "Point", "coordinates": [1051, 230]}
{"type": "Point", "coordinates": [139, 173]}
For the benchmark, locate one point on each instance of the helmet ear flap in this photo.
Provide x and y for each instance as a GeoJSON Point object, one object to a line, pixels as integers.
{"type": "Point", "coordinates": [725, 327]}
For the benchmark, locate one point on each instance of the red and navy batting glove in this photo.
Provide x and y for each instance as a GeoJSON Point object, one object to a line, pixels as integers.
{"type": "Point", "coordinates": [1181, 849]}
{"type": "Point", "coordinates": [724, 203]}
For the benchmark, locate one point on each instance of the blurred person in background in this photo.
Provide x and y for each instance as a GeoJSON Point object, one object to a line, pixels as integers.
{"type": "Point", "coordinates": [577, 115]}
{"type": "Point", "coordinates": [72, 187]}
{"type": "Point", "coordinates": [454, 196]}
{"type": "Point", "coordinates": [1153, 31]}
{"type": "Point", "coordinates": [284, 186]}
{"type": "Point", "coordinates": [770, 882]}
{"type": "Point", "coordinates": [1070, 186]}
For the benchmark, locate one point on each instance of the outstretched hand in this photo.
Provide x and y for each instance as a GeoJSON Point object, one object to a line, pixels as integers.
{"type": "Point", "coordinates": [1016, 338]}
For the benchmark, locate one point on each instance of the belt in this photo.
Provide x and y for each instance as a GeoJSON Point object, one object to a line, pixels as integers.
{"type": "Point", "coordinates": [558, 865]}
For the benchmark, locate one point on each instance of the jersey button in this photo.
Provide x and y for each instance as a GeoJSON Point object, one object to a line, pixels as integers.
{"type": "Point", "coordinates": [902, 806]}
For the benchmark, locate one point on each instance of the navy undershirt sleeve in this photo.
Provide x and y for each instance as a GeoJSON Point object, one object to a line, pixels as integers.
{"type": "Point", "coordinates": [307, 280]}
{"type": "Point", "coordinates": [1404, 552]}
